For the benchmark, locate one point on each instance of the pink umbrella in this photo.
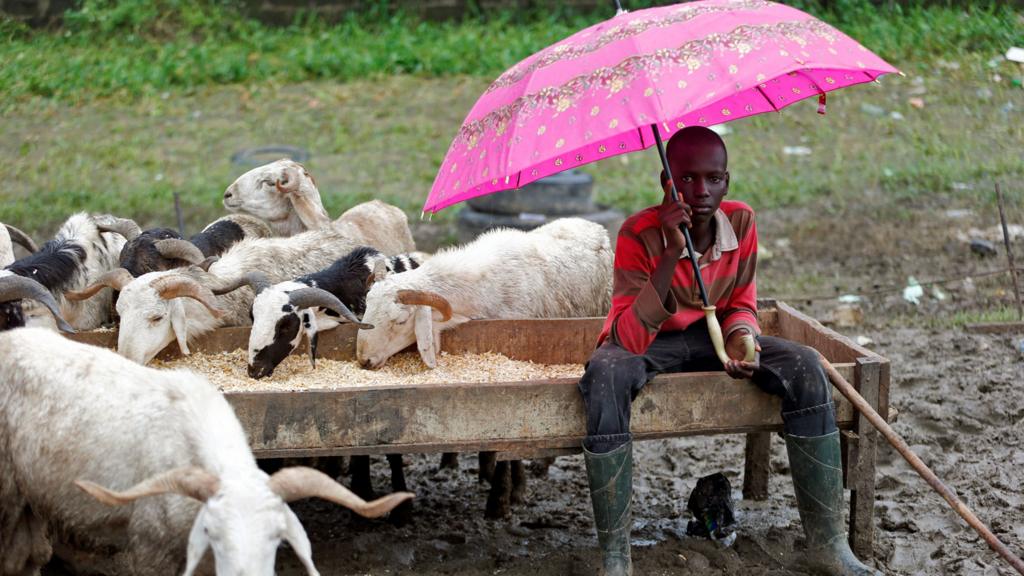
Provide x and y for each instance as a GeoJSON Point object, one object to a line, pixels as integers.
{"type": "Point", "coordinates": [599, 92]}
{"type": "Point", "coordinates": [624, 84]}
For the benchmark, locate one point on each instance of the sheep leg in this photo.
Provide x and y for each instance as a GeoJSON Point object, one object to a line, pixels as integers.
{"type": "Point", "coordinates": [401, 514]}
{"type": "Point", "coordinates": [449, 460]}
{"type": "Point", "coordinates": [499, 498]}
{"type": "Point", "coordinates": [518, 494]}
{"type": "Point", "coordinates": [359, 466]}
{"type": "Point", "coordinates": [270, 465]}
{"type": "Point", "coordinates": [539, 466]}
{"type": "Point", "coordinates": [333, 466]}
{"type": "Point", "coordinates": [487, 462]}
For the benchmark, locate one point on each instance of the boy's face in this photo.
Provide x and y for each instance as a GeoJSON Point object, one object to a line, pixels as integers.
{"type": "Point", "coordinates": [699, 171]}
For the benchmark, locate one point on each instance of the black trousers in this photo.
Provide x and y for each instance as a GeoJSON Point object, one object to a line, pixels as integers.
{"type": "Point", "coordinates": [614, 376]}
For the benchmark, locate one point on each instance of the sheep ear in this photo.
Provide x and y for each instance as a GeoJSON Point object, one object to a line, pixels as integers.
{"type": "Point", "coordinates": [180, 325]}
{"type": "Point", "coordinates": [198, 542]}
{"type": "Point", "coordinates": [425, 335]}
{"type": "Point", "coordinates": [296, 537]}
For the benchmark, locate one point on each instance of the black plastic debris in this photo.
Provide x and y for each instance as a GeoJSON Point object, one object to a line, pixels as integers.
{"type": "Point", "coordinates": [983, 247]}
{"type": "Point", "coordinates": [711, 506]}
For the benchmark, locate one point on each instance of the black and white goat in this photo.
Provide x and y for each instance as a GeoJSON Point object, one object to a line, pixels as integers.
{"type": "Point", "coordinates": [160, 249]}
{"type": "Point", "coordinates": [14, 289]}
{"type": "Point", "coordinates": [281, 317]}
{"type": "Point", "coordinates": [81, 251]}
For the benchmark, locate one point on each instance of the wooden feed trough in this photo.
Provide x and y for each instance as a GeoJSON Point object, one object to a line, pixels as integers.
{"type": "Point", "coordinates": [545, 417]}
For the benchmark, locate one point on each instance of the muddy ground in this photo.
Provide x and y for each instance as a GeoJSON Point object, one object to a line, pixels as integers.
{"type": "Point", "coordinates": [960, 397]}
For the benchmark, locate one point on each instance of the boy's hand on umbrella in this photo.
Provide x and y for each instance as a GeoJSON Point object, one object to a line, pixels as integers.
{"type": "Point", "coordinates": [735, 348]}
{"type": "Point", "coordinates": [672, 214]}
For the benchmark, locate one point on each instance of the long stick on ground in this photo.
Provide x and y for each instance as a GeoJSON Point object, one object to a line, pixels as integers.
{"type": "Point", "coordinates": [1009, 252]}
{"type": "Point", "coordinates": [901, 446]}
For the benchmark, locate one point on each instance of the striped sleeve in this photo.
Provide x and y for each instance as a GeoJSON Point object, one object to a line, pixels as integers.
{"type": "Point", "coordinates": [741, 309]}
{"type": "Point", "coordinates": [637, 312]}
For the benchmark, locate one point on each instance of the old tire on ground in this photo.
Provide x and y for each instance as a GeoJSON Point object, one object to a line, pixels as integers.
{"type": "Point", "coordinates": [560, 195]}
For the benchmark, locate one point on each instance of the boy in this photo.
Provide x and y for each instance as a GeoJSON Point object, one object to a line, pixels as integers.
{"type": "Point", "coordinates": [656, 325]}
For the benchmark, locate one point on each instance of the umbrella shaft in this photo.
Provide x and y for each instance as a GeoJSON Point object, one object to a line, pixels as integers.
{"type": "Point", "coordinates": [686, 231]}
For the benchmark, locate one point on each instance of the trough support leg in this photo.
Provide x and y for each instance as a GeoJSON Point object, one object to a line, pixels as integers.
{"type": "Point", "coordinates": [861, 461]}
{"type": "Point", "coordinates": [401, 514]}
{"type": "Point", "coordinates": [487, 462]}
{"type": "Point", "coordinates": [499, 499]}
{"type": "Point", "coordinates": [758, 466]}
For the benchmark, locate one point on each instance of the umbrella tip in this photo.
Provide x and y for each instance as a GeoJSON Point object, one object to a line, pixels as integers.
{"type": "Point", "coordinates": [422, 214]}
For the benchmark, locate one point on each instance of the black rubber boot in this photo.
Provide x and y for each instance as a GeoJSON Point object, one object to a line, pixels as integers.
{"type": "Point", "coordinates": [611, 491]}
{"type": "Point", "coordinates": [818, 483]}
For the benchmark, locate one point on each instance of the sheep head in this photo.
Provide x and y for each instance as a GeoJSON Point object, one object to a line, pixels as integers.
{"type": "Point", "coordinates": [283, 193]}
{"type": "Point", "coordinates": [401, 316]}
{"type": "Point", "coordinates": [155, 309]}
{"type": "Point", "coordinates": [281, 314]}
{"type": "Point", "coordinates": [245, 519]}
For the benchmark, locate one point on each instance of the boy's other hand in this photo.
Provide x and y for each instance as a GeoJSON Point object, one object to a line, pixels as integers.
{"type": "Point", "coordinates": [672, 214]}
{"type": "Point", "coordinates": [736, 350]}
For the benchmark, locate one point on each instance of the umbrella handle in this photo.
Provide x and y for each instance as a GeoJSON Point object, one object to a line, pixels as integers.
{"type": "Point", "coordinates": [715, 329]}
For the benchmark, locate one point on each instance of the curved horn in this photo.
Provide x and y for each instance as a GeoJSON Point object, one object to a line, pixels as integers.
{"type": "Point", "coordinates": [426, 298]}
{"type": "Point", "coordinates": [117, 279]}
{"type": "Point", "coordinates": [179, 249]}
{"type": "Point", "coordinates": [256, 280]}
{"type": "Point", "coordinates": [318, 297]}
{"type": "Point", "coordinates": [123, 226]}
{"type": "Point", "coordinates": [207, 262]}
{"type": "Point", "coordinates": [300, 482]}
{"type": "Point", "coordinates": [178, 286]}
{"type": "Point", "coordinates": [21, 238]}
{"type": "Point", "coordinates": [190, 481]}
{"type": "Point", "coordinates": [16, 287]}
{"type": "Point", "coordinates": [288, 182]}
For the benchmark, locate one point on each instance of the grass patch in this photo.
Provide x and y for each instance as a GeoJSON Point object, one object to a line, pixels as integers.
{"type": "Point", "coordinates": [131, 48]}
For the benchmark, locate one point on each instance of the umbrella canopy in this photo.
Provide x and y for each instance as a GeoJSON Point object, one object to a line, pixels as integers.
{"type": "Point", "coordinates": [599, 92]}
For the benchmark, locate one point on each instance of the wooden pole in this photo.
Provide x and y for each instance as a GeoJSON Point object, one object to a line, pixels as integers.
{"type": "Point", "coordinates": [1009, 253]}
{"type": "Point", "coordinates": [919, 466]}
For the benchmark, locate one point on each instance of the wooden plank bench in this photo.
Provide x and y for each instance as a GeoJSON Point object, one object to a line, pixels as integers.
{"type": "Point", "coordinates": [545, 417]}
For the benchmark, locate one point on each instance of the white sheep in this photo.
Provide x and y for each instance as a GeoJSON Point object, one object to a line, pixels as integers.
{"type": "Point", "coordinates": [282, 193]}
{"type": "Point", "coordinates": [80, 253]}
{"type": "Point", "coordinates": [76, 414]}
{"type": "Point", "coordinates": [160, 307]}
{"type": "Point", "coordinates": [562, 269]}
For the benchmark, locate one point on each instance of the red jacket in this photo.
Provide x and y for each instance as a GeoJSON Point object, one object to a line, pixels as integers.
{"type": "Point", "coordinates": [637, 314]}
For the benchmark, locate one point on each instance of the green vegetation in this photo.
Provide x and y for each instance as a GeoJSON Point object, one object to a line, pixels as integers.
{"type": "Point", "coordinates": [137, 47]}
{"type": "Point", "coordinates": [135, 100]}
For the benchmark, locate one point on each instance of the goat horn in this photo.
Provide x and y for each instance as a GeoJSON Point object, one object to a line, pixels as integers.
{"type": "Point", "coordinates": [20, 237]}
{"type": "Point", "coordinates": [256, 280]}
{"type": "Point", "coordinates": [178, 286]}
{"type": "Point", "coordinates": [179, 249]}
{"type": "Point", "coordinates": [300, 482]}
{"type": "Point", "coordinates": [426, 298]}
{"type": "Point", "coordinates": [14, 287]}
{"type": "Point", "coordinates": [117, 279]}
{"type": "Point", "coordinates": [318, 297]}
{"type": "Point", "coordinates": [207, 262]}
{"type": "Point", "coordinates": [190, 481]}
{"type": "Point", "coordinates": [123, 226]}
